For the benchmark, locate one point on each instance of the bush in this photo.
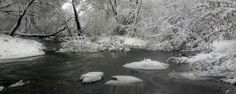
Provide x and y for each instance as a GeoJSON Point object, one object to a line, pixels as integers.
{"type": "Point", "coordinates": [113, 43]}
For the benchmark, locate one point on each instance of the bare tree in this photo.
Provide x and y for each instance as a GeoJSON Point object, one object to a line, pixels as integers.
{"type": "Point", "coordinates": [14, 29]}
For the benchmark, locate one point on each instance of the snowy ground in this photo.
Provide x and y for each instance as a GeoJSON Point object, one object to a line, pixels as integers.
{"type": "Point", "coordinates": [112, 43]}
{"type": "Point", "coordinates": [18, 48]}
{"type": "Point", "coordinates": [221, 62]}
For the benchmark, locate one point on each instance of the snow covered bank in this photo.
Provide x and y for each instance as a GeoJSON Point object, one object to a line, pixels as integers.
{"type": "Point", "coordinates": [221, 62]}
{"type": "Point", "coordinates": [91, 77]}
{"type": "Point", "coordinates": [17, 48]}
{"type": "Point", "coordinates": [113, 43]}
{"type": "Point", "coordinates": [123, 80]}
{"type": "Point", "coordinates": [147, 64]}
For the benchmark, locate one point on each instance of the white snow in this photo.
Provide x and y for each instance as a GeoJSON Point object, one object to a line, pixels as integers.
{"type": "Point", "coordinates": [67, 5]}
{"type": "Point", "coordinates": [147, 64]}
{"type": "Point", "coordinates": [1, 88]}
{"type": "Point", "coordinates": [123, 80]}
{"type": "Point", "coordinates": [91, 77]}
{"type": "Point", "coordinates": [18, 48]}
{"type": "Point", "coordinates": [18, 84]}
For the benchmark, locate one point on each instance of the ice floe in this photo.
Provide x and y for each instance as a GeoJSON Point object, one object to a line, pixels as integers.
{"type": "Point", "coordinates": [91, 77]}
{"type": "Point", "coordinates": [18, 84]}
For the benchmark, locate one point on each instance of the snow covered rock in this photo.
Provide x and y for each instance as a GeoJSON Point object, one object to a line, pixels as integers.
{"type": "Point", "coordinates": [1, 88]}
{"type": "Point", "coordinates": [18, 84]}
{"type": "Point", "coordinates": [147, 64]}
{"type": "Point", "coordinates": [123, 80]}
{"type": "Point", "coordinates": [91, 77]}
{"type": "Point", "coordinates": [11, 47]}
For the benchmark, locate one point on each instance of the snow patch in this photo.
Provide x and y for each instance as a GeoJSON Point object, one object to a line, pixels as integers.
{"type": "Point", "coordinates": [147, 64]}
{"type": "Point", "coordinates": [123, 80]}
{"type": "Point", "coordinates": [18, 48]}
{"type": "Point", "coordinates": [91, 77]}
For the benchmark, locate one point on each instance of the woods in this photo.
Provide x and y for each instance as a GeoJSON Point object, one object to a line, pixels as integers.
{"type": "Point", "coordinates": [175, 39]}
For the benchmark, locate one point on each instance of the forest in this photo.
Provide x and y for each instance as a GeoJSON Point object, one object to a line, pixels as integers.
{"type": "Point", "coordinates": [50, 43]}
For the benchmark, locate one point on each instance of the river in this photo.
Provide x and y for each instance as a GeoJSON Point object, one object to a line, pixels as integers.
{"type": "Point", "coordinates": [59, 73]}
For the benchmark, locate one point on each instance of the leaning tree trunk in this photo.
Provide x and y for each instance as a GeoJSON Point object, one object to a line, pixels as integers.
{"type": "Point", "coordinates": [77, 19]}
{"type": "Point", "coordinates": [14, 29]}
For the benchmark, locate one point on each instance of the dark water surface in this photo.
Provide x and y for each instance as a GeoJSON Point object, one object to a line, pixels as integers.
{"type": "Point", "coordinates": [59, 73]}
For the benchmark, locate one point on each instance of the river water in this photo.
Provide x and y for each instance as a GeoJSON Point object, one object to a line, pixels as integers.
{"type": "Point", "coordinates": [59, 73]}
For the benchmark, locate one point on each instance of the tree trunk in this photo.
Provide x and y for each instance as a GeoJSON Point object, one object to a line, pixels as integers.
{"type": "Point", "coordinates": [137, 15]}
{"type": "Point", "coordinates": [14, 29]}
{"type": "Point", "coordinates": [77, 19]}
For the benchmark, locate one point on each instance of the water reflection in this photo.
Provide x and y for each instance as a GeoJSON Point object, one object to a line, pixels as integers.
{"type": "Point", "coordinates": [126, 89]}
